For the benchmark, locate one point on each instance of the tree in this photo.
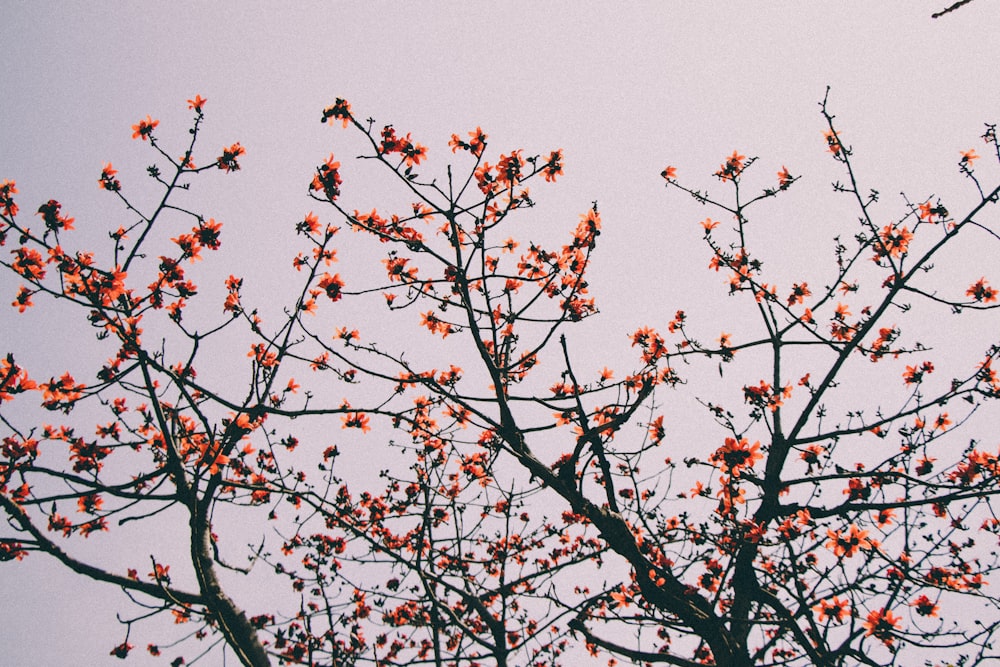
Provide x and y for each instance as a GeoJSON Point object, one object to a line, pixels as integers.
{"type": "Point", "coordinates": [532, 506]}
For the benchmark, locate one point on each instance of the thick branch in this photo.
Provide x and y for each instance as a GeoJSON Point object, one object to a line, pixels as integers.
{"type": "Point", "coordinates": [157, 590]}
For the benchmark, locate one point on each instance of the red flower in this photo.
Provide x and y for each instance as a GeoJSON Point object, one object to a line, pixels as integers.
{"type": "Point", "coordinates": [340, 110]}
{"type": "Point", "coordinates": [732, 168]}
{"type": "Point", "coordinates": [623, 598]}
{"type": "Point", "coordinates": [332, 285]}
{"type": "Point", "coordinates": [327, 179]}
{"type": "Point", "coordinates": [159, 573]}
{"type": "Point", "coordinates": [845, 546]}
{"type": "Point", "coordinates": [799, 293]}
{"type": "Point", "coordinates": [835, 609]}
{"type": "Point", "coordinates": [434, 324]}
{"type": "Point", "coordinates": [8, 188]}
{"type": "Point", "coordinates": [197, 103]}
{"type": "Point", "coordinates": [50, 216]}
{"type": "Point", "coordinates": [833, 142]}
{"type": "Point", "coordinates": [915, 374]}
{"type": "Point", "coordinates": [309, 224]}
{"type": "Point", "coordinates": [108, 180]}
{"type": "Point", "coordinates": [894, 242]}
{"type": "Point", "coordinates": [509, 168]}
{"type": "Point", "coordinates": [23, 299]}
{"type": "Point", "coordinates": [924, 465]}
{"type": "Point", "coordinates": [476, 144]}
{"type": "Point", "coordinates": [413, 153]}
{"type": "Point", "coordinates": [144, 128]}
{"type": "Point", "coordinates": [880, 624]}
{"type": "Point", "coordinates": [553, 166]}
{"type": "Point", "coordinates": [207, 233]}
{"type": "Point", "coordinates": [121, 651]}
{"type": "Point", "coordinates": [969, 156]}
{"type": "Point", "coordinates": [942, 422]}
{"type": "Point", "coordinates": [784, 178]}
{"type": "Point", "coordinates": [925, 606]}
{"type": "Point", "coordinates": [735, 455]}
{"type": "Point", "coordinates": [227, 161]}
{"type": "Point", "coordinates": [356, 420]}
{"type": "Point", "coordinates": [981, 291]}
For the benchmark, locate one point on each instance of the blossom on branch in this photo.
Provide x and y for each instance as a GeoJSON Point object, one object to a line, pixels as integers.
{"type": "Point", "coordinates": [144, 128]}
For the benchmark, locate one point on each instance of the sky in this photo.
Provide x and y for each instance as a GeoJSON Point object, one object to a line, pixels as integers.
{"type": "Point", "coordinates": [623, 88]}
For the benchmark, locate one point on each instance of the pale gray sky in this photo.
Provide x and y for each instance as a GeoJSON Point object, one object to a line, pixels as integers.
{"type": "Point", "coordinates": [623, 88]}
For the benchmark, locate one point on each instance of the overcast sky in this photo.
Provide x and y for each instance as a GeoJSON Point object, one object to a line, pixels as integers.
{"type": "Point", "coordinates": [624, 88]}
